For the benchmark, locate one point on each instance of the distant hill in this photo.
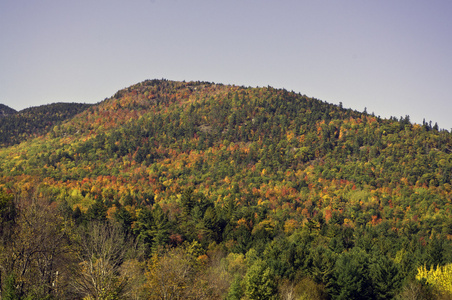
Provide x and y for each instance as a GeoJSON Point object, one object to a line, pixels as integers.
{"type": "Point", "coordinates": [16, 127]}
{"type": "Point", "coordinates": [6, 110]}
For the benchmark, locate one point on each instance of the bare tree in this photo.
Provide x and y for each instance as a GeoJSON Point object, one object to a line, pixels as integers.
{"type": "Point", "coordinates": [102, 250]}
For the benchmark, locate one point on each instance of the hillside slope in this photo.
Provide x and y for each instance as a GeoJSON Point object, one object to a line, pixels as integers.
{"type": "Point", "coordinates": [250, 169]}
{"type": "Point", "coordinates": [34, 121]}
{"type": "Point", "coordinates": [6, 110]}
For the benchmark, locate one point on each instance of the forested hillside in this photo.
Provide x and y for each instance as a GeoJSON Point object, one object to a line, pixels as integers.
{"type": "Point", "coordinates": [16, 127]}
{"type": "Point", "coordinates": [5, 110]}
{"type": "Point", "coordinates": [209, 191]}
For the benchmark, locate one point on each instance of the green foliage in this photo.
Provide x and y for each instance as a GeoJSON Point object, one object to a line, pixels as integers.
{"type": "Point", "coordinates": [8, 215]}
{"type": "Point", "coordinates": [352, 280]}
{"type": "Point", "coordinates": [385, 277]}
{"type": "Point", "coordinates": [10, 291]}
{"type": "Point", "coordinates": [152, 227]}
{"type": "Point", "coordinates": [322, 266]}
{"type": "Point", "coordinates": [259, 282]}
{"type": "Point", "coordinates": [235, 290]}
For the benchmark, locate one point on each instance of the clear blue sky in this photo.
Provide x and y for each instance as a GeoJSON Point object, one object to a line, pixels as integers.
{"type": "Point", "coordinates": [392, 57]}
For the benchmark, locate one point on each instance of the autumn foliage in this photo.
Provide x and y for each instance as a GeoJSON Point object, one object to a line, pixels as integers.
{"type": "Point", "coordinates": [265, 184]}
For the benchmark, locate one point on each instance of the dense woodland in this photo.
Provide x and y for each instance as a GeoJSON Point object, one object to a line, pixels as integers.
{"type": "Point", "coordinates": [6, 110]}
{"type": "Point", "coordinates": [16, 127]}
{"type": "Point", "coordinates": [196, 190]}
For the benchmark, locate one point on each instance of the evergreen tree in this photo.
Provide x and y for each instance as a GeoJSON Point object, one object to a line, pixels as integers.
{"type": "Point", "coordinates": [385, 277]}
{"type": "Point", "coordinates": [351, 274]}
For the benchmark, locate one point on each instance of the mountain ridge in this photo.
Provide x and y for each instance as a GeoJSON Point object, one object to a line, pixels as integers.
{"type": "Point", "coordinates": [35, 121]}
{"type": "Point", "coordinates": [6, 110]}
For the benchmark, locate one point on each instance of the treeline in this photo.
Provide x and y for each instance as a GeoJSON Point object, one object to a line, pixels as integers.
{"type": "Point", "coordinates": [251, 193]}
{"type": "Point", "coordinates": [35, 121]}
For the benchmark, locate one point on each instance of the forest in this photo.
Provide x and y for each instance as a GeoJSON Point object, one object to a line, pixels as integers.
{"type": "Point", "coordinates": [16, 127]}
{"type": "Point", "coordinates": [197, 190]}
{"type": "Point", "coordinates": [6, 110]}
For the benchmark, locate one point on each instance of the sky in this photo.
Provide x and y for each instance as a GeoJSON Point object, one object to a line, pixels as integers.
{"type": "Point", "coordinates": [392, 58]}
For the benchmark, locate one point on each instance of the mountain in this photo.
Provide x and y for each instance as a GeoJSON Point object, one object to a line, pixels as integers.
{"type": "Point", "coordinates": [286, 189]}
{"type": "Point", "coordinates": [34, 121]}
{"type": "Point", "coordinates": [6, 111]}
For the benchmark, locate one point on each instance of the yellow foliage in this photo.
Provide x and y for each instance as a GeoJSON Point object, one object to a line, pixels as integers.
{"type": "Point", "coordinates": [203, 259]}
{"type": "Point", "coordinates": [241, 222]}
{"type": "Point", "coordinates": [290, 226]}
{"type": "Point", "coordinates": [440, 278]}
{"type": "Point", "coordinates": [266, 225]}
{"type": "Point", "coordinates": [236, 263]}
{"type": "Point", "coordinates": [348, 222]}
{"type": "Point", "coordinates": [111, 212]}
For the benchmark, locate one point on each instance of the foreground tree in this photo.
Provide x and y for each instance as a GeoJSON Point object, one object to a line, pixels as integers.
{"type": "Point", "coordinates": [260, 282]}
{"type": "Point", "coordinates": [102, 250]}
{"type": "Point", "coordinates": [36, 257]}
{"type": "Point", "coordinates": [351, 276]}
{"type": "Point", "coordinates": [186, 272]}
